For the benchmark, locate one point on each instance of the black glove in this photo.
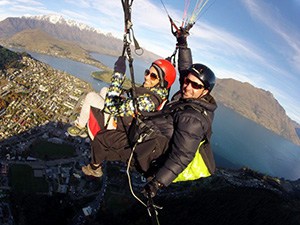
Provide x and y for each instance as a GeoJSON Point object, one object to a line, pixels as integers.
{"type": "Point", "coordinates": [120, 65]}
{"type": "Point", "coordinates": [181, 37]}
{"type": "Point", "coordinates": [151, 188]}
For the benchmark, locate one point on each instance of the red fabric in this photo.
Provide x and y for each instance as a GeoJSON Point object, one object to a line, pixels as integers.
{"type": "Point", "coordinates": [96, 122]}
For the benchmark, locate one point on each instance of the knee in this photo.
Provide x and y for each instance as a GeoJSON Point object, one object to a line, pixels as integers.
{"type": "Point", "coordinates": [91, 96]}
{"type": "Point", "coordinates": [103, 92]}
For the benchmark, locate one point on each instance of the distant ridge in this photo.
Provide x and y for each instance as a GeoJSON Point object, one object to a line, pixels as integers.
{"type": "Point", "coordinates": [298, 132]}
{"type": "Point", "coordinates": [256, 104]}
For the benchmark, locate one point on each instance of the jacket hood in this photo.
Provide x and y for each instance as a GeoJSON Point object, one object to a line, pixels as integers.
{"type": "Point", "coordinates": [208, 102]}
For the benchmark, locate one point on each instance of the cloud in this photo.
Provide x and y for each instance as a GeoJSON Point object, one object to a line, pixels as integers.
{"type": "Point", "coordinates": [229, 44]}
{"type": "Point", "coordinates": [75, 15]}
{"type": "Point", "coordinates": [79, 3]}
{"type": "Point", "coordinates": [24, 7]}
{"type": "Point", "coordinates": [29, 2]}
{"type": "Point", "coordinates": [4, 2]}
{"type": "Point", "coordinates": [288, 32]}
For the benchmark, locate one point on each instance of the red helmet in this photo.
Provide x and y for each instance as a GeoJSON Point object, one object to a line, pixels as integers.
{"type": "Point", "coordinates": [166, 72]}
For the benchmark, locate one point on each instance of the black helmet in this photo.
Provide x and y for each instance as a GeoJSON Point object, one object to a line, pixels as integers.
{"type": "Point", "coordinates": [203, 73]}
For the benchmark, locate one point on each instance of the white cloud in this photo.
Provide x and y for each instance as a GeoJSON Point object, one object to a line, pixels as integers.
{"type": "Point", "coordinates": [24, 7]}
{"type": "Point", "coordinates": [75, 15]}
{"type": "Point", "coordinates": [29, 2]}
{"type": "Point", "coordinates": [4, 2]}
{"type": "Point", "coordinates": [287, 31]}
{"type": "Point", "coordinates": [79, 3]}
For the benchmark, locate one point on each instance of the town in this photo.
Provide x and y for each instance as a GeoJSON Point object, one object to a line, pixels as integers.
{"type": "Point", "coordinates": [32, 97]}
{"type": "Point", "coordinates": [38, 104]}
{"type": "Point", "coordinates": [37, 94]}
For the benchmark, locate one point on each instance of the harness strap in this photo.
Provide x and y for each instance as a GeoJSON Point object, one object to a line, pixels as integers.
{"type": "Point", "coordinates": [174, 28]}
{"type": "Point", "coordinates": [152, 210]}
{"type": "Point", "coordinates": [126, 49]}
{"type": "Point", "coordinates": [128, 36]}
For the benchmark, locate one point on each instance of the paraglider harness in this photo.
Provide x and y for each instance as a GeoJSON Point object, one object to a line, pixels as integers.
{"type": "Point", "coordinates": [140, 130]}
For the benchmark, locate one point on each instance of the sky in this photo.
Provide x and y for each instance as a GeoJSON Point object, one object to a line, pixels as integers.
{"type": "Point", "coordinates": [254, 41]}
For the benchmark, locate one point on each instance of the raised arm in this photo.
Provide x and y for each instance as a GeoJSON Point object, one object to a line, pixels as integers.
{"type": "Point", "coordinates": [184, 53]}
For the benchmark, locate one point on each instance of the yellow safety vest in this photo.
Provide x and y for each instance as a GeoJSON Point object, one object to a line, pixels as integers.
{"type": "Point", "coordinates": [195, 170]}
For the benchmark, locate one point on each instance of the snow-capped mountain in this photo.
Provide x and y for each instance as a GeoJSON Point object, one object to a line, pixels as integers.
{"type": "Point", "coordinates": [58, 27]}
{"type": "Point", "coordinates": [59, 19]}
{"type": "Point", "coordinates": [67, 30]}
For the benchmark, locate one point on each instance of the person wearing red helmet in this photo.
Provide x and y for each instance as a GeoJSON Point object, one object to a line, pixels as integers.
{"type": "Point", "coordinates": [158, 79]}
{"type": "Point", "coordinates": [120, 110]}
{"type": "Point", "coordinates": [166, 72]}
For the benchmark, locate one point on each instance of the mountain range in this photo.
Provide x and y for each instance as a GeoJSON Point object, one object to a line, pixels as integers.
{"type": "Point", "coordinates": [257, 105]}
{"type": "Point", "coordinates": [55, 35]}
{"type": "Point", "coordinates": [57, 27]}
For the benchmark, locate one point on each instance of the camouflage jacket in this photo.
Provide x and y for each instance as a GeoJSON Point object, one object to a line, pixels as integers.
{"type": "Point", "coordinates": [148, 99]}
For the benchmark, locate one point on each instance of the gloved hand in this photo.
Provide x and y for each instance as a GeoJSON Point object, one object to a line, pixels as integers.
{"type": "Point", "coordinates": [120, 65]}
{"type": "Point", "coordinates": [151, 187]}
{"type": "Point", "coordinates": [181, 37]}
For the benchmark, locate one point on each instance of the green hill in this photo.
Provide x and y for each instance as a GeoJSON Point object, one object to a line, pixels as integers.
{"type": "Point", "coordinates": [8, 58]}
{"type": "Point", "coordinates": [106, 77]}
{"type": "Point", "coordinates": [37, 40]}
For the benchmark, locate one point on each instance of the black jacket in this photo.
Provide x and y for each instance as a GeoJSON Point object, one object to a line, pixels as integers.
{"type": "Point", "coordinates": [191, 124]}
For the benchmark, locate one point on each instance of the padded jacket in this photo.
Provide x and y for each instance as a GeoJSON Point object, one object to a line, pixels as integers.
{"type": "Point", "coordinates": [186, 123]}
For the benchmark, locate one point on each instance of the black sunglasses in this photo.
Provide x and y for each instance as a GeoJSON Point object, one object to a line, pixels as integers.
{"type": "Point", "coordinates": [153, 76]}
{"type": "Point", "coordinates": [195, 85]}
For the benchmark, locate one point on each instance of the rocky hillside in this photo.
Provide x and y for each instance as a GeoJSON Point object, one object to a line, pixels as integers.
{"type": "Point", "coordinates": [257, 105]}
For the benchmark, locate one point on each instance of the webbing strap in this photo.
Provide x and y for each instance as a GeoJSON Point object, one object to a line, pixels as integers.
{"type": "Point", "coordinates": [128, 36]}
{"type": "Point", "coordinates": [151, 207]}
{"type": "Point", "coordinates": [126, 49]}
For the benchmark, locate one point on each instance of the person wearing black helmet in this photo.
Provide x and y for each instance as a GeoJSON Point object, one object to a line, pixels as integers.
{"type": "Point", "coordinates": [188, 155]}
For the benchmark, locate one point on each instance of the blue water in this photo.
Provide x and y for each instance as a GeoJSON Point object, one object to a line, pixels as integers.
{"type": "Point", "coordinates": [78, 69]}
{"type": "Point", "coordinates": [236, 141]}
{"type": "Point", "coordinates": [139, 65]}
{"type": "Point", "coordinates": [244, 143]}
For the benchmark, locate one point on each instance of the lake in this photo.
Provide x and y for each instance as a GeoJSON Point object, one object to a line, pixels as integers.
{"type": "Point", "coordinates": [236, 141]}
{"type": "Point", "coordinates": [78, 69]}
